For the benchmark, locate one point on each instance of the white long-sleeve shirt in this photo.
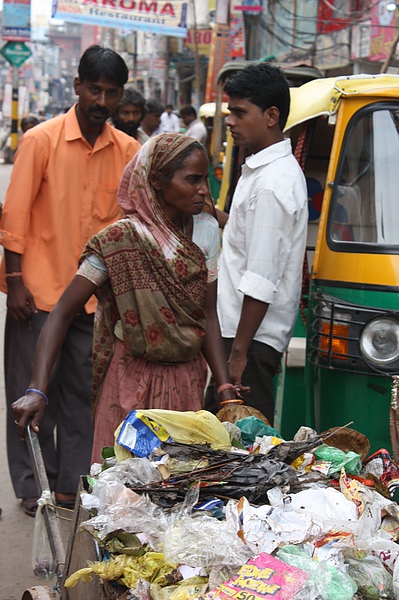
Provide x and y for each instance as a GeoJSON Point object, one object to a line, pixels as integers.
{"type": "Point", "coordinates": [264, 244]}
{"type": "Point", "coordinates": [169, 122]}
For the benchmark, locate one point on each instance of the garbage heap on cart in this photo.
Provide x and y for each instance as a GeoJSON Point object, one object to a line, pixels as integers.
{"type": "Point", "coordinates": [186, 506]}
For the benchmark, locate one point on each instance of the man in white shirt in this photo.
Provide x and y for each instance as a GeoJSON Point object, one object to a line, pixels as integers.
{"type": "Point", "coordinates": [169, 121]}
{"type": "Point", "coordinates": [151, 122]}
{"type": "Point", "coordinates": [195, 127]}
{"type": "Point", "coordinates": [264, 240]}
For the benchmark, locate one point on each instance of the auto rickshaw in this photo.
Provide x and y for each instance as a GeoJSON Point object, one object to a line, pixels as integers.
{"type": "Point", "coordinates": [344, 353]}
{"type": "Point", "coordinates": [207, 113]}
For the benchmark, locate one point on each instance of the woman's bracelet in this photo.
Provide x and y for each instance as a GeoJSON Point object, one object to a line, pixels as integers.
{"type": "Point", "coordinates": [229, 386]}
{"type": "Point", "coordinates": [37, 392]}
{"type": "Point", "coordinates": [233, 401]}
{"type": "Point", "coordinates": [14, 274]}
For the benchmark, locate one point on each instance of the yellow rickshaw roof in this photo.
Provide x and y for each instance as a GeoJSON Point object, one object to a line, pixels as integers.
{"type": "Point", "coordinates": [208, 110]}
{"type": "Point", "coordinates": [322, 96]}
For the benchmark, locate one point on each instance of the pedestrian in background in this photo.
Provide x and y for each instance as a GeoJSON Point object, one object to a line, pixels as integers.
{"type": "Point", "coordinates": [170, 121]}
{"type": "Point", "coordinates": [260, 270]}
{"type": "Point", "coordinates": [62, 191]}
{"type": "Point", "coordinates": [195, 127]}
{"type": "Point", "coordinates": [130, 113]}
{"type": "Point", "coordinates": [150, 125]}
{"type": "Point", "coordinates": [28, 121]}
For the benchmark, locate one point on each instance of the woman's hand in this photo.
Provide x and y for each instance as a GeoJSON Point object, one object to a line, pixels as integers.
{"type": "Point", "coordinates": [29, 406]}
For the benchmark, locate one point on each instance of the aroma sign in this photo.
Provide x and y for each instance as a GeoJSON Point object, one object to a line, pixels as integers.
{"type": "Point", "coordinates": [154, 8]}
{"type": "Point", "coordinates": [166, 18]}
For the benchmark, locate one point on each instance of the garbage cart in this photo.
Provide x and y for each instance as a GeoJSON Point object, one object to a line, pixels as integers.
{"type": "Point", "coordinates": [68, 556]}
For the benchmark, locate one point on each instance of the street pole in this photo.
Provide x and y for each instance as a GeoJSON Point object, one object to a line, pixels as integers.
{"type": "Point", "coordinates": [14, 109]}
{"type": "Point", "coordinates": [391, 53]}
{"type": "Point", "coordinates": [197, 61]}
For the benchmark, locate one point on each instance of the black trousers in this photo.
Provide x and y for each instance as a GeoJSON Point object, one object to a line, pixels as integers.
{"type": "Point", "coordinates": [262, 364]}
{"type": "Point", "coordinates": [66, 430]}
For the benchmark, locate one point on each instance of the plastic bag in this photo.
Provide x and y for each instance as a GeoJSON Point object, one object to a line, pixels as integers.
{"type": "Point", "coordinates": [186, 589]}
{"type": "Point", "coordinates": [382, 466]}
{"type": "Point", "coordinates": [325, 582]}
{"type": "Point", "coordinates": [141, 434]}
{"type": "Point", "coordinates": [338, 459]}
{"type": "Point", "coordinates": [371, 577]}
{"type": "Point", "coordinates": [201, 541]}
{"type": "Point", "coordinates": [190, 427]}
{"type": "Point", "coordinates": [251, 427]}
{"type": "Point", "coordinates": [42, 559]}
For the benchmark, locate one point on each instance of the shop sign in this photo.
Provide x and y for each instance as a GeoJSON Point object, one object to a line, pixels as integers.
{"type": "Point", "coordinates": [16, 21]}
{"type": "Point", "coordinates": [155, 16]}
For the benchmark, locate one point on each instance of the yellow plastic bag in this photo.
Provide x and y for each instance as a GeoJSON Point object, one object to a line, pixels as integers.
{"type": "Point", "coordinates": [188, 427]}
{"type": "Point", "coordinates": [109, 570]}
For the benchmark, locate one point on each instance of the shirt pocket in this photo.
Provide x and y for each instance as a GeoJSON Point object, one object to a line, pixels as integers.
{"type": "Point", "coordinates": [105, 205]}
{"type": "Point", "coordinates": [237, 233]}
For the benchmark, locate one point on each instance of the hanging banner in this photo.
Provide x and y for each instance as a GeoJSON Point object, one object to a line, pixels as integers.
{"type": "Point", "coordinates": [249, 6]}
{"type": "Point", "coordinates": [220, 53]}
{"type": "Point", "coordinates": [382, 30]}
{"type": "Point", "coordinates": [237, 33]}
{"type": "Point", "coordinates": [155, 16]}
{"type": "Point", "coordinates": [16, 21]}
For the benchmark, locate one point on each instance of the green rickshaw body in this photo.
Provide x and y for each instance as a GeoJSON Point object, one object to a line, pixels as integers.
{"type": "Point", "coordinates": [352, 326]}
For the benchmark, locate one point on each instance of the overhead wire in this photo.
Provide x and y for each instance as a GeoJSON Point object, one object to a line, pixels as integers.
{"type": "Point", "coordinates": [289, 31]}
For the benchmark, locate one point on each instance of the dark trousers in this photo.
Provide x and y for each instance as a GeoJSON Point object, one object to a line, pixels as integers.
{"type": "Point", "coordinates": [262, 364]}
{"type": "Point", "coordinates": [66, 430]}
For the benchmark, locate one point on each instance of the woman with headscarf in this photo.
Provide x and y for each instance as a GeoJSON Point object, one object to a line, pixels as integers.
{"type": "Point", "coordinates": [154, 273]}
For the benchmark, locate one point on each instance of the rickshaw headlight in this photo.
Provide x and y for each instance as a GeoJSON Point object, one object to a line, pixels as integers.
{"type": "Point", "coordinates": [379, 341]}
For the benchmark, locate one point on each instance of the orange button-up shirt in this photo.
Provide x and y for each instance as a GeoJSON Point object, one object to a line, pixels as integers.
{"type": "Point", "coordinates": [62, 192]}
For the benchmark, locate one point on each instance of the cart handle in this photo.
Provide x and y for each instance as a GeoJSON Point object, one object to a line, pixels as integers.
{"type": "Point", "coordinates": [49, 514]}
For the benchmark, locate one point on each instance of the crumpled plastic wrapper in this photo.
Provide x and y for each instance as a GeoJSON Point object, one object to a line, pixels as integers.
{"type": "Point", "coordinates": [110, 487]}
{"type": "Point", "coordinates": [141, 516]}
{"type": "Point", "coordinates": [203, 541]}
{"type": "Point", "coordinates": [265, 528]}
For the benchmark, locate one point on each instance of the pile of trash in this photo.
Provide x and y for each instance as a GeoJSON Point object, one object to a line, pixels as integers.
{"type": "Point", "coordinates": [185, 507]}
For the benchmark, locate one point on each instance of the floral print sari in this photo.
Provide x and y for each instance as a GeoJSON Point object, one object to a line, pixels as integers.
{"type": "Point", "coordinates": [155, 295]}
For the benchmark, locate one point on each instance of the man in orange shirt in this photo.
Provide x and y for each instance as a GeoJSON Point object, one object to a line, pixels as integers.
{"type": "Point", "coordinates": [62, 191]}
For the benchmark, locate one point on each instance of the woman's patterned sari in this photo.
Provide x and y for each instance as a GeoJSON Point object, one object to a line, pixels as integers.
{"type": "Point", "coordinates": [155, 296]}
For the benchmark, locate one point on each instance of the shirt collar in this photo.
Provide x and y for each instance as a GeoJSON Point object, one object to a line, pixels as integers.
{"type": "Point", "coordinates": [269, 154]}
{"type": "Point", "coordinates": [73, 132]}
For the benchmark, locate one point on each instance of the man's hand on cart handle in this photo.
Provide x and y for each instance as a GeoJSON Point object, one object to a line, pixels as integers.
{"type": "Point", "coordinates": [29, 407]}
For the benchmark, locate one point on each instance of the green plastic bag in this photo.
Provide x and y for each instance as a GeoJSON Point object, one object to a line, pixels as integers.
{"type": "Point", "coordinates": [251, 427]}
{"type": "Point", "coordinates": [324, 581]}
{"type": "Point", "coordinates": [372, 579]}
{"type": "Point", "coordinates": [350, 460]}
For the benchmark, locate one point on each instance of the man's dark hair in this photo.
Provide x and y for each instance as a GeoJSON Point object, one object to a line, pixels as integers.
{"type": "Point", "coordinates": [97, 62]}
{"type": "Point", "coordinates": [153, 106]}
{"type": "Point", "coordinates": [188, 110]}
{"type": "Point", "coordinates": [169, 106]}
{"type": "Point", "coordinates": [132, 96]}
{"type": "Point", "coordinates": [29, 120]}
{"type": "Point", "coordinates": [264, 85]}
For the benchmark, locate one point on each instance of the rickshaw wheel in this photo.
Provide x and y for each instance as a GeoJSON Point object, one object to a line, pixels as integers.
{"type": "Point", "coordinates": [38, 593]}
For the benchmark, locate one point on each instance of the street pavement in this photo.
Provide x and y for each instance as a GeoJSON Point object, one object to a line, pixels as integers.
{"type": "Point", "coordinates": [16, 528]}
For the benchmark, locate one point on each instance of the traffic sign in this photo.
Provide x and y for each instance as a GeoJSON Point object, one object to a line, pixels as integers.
{"type": "Point", "coordinates": [16, 53]}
